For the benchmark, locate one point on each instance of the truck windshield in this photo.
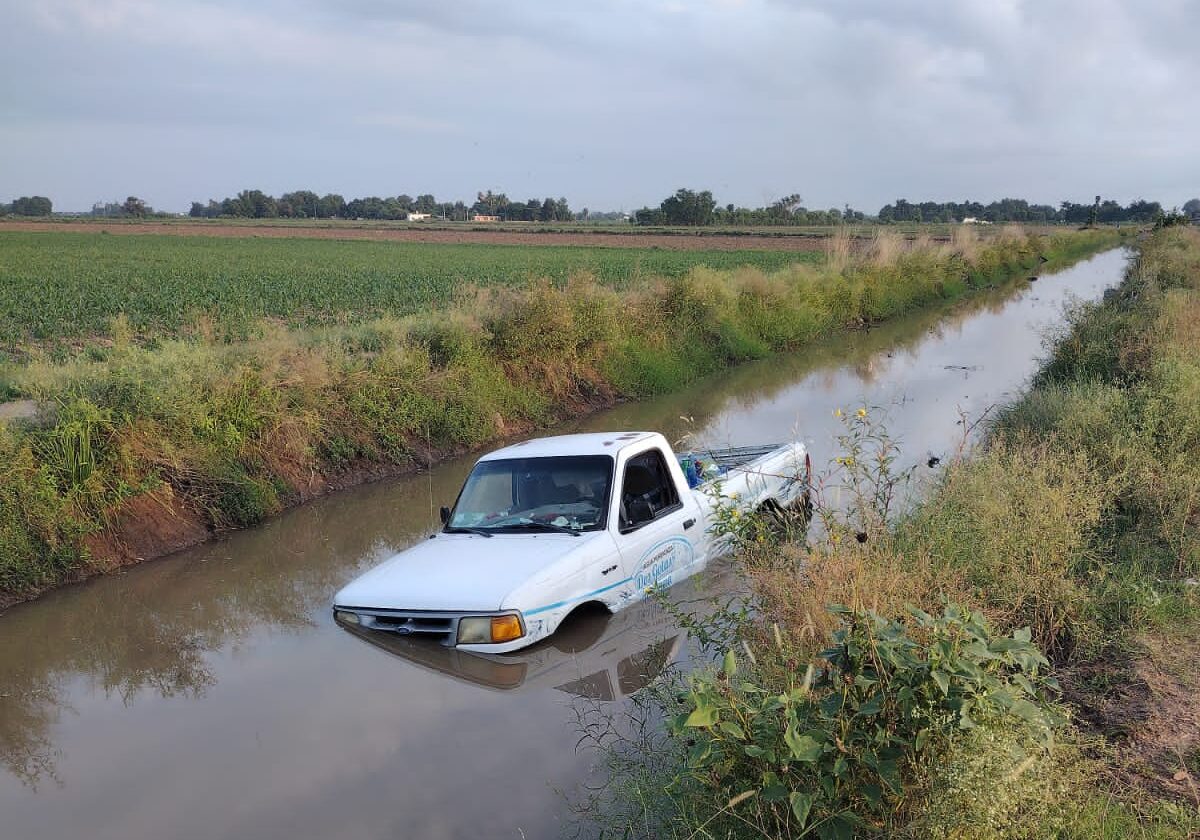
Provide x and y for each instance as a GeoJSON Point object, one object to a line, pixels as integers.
{"type": "Point", "coordinates": [518, 494]}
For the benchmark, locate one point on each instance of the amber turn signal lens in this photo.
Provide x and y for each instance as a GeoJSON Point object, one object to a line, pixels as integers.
{"type": "Point", "coordinates": [505, 628]}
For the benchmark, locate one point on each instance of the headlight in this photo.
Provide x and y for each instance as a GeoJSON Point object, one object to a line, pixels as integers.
{"type": "Point", "coordinates": [346, 617]}
{"type": "Point", "coordinates": [489, 629]}
{"type": "Point", "coordinates": [475, 630]}
{"type": "Point", "coordinates": [505, 628]}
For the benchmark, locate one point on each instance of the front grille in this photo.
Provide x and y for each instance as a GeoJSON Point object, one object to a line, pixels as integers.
{"type": "Point", "coordinates": [414, 624]}
{"type": "Point", "coordinates": [435, 626]}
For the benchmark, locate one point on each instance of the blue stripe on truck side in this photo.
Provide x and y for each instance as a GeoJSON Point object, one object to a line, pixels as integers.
{"type": "Point", "coordinates": [558, 604]}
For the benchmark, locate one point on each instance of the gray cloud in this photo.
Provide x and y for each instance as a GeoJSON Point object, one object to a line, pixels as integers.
{"type": "Point", "coordinates": [612, 104]}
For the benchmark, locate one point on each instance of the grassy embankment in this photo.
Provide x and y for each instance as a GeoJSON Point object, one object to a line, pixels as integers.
{"type": "Point", "coordinates": [150, 443]}
{"type": "Point", "coordinates": [928, 709]}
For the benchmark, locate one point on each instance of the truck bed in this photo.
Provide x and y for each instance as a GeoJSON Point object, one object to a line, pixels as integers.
{"type": "Point", "coordinates": [753, 473]}
{"type": "Point", "coordinates": [732, 457]}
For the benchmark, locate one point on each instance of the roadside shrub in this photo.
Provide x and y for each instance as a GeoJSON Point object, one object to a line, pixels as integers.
{"type": "Point", "coordinates": [781, 311]}
{"type": "Point", "coordinates": [534, 323]}
{"type": "Point", "coordinates": [596, 313]}
{"type": "Point", "coordinates": [1097, 343]}
{"type": "Point", "coordinates": [448, 339]}
{"type": "Point", "coordinates": [1086, 414]}
{"type": "Point", "coordinates": [382, 404]}
{"type": "Point", "coordinates": [849, 746]}
{"type": "Point", "coordinates": [703, 307]}
{"type": "Point", "coordinates": [39, 530]}
{"type": "Point", "coordinates": [841, 301]}
{"type": "Point", "coordinates": [999, 780]}
{"type": "Point", "coordinates": [80, 451]}
{"type": "Point", "coordinates": [1015, 522]}
{"type": "Point", "coordinates": [242, 499]}
{"type": "Point", "coordinates": [641, 366]}
{"type": "Point", "coordinates": [1137, 423]}
{"type": "Point", "coordinates": [239, 410]}
{"type": "Point", "coordinates": [475, 402]}
{"type": "Point", "coordinates": [74, 448]}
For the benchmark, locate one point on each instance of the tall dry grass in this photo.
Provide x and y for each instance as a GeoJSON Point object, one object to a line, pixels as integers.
{"type": "Point", "coordinates": [966, 243]}
{"type": "Point", "coordinates": [839, 250]}
{"type": "Point", "coordinates": [885, 247]}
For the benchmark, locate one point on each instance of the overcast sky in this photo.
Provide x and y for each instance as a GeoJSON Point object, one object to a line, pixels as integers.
{"type": "Point", "coordinates": [611, 103]}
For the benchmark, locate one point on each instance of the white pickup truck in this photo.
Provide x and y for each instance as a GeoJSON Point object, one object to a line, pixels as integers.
{"type": "Point", "coordinates": [543, 527]}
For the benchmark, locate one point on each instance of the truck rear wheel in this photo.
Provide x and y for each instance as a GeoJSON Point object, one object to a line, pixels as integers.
{"type": "Point", "coordinates": [790, 522]}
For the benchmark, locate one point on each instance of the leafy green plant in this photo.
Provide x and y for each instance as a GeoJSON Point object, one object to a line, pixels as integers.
{"type": "Point", "coordinates": [836, 750]}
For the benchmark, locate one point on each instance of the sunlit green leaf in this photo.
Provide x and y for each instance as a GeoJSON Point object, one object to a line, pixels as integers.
{"type": "Point", "coordinates": [803, 747]}
{"type": "Point", "coordinates": [731, 728]}
{"type": "Point", "coordinates": [801, 804]}
{"type": "Point", "coordinates": [702, 716]}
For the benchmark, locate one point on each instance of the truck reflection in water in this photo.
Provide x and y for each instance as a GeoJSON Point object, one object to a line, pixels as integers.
{"type": "Point", "coordinates": [594, 655]}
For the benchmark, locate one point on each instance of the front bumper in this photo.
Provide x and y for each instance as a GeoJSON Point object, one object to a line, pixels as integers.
{"type": "Point", "coordinates": [431, 625]}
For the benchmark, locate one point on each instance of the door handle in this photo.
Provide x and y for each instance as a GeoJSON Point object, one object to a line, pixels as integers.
{"type": "Point", "coordinates": [688, 523]}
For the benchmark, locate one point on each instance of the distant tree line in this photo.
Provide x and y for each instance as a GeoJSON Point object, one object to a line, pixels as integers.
{"type": "Point", "coordinates": [785, 211]}
{"type": "Point", "coordinates": [699, 208]}
{"type": "Point", "coordinates": [305, 204]}
{"type": "Point", "coordinates": [684, 207]}
{"type": "Point", "coordinates": [28, 205]}
{"type": "Point", "coordinates": [1018, 210]}
{"type": "Point", "coordinates": [688, 207]}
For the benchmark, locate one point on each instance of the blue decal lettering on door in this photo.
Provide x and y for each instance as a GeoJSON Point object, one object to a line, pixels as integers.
{"type": "Point", "coordinates": [660, 561]}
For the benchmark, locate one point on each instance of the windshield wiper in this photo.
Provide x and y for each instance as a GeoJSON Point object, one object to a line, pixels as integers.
{"type": "Point", "coordinates": [542, 526]}
{"type": "Point", "coordinates": [464, 529]}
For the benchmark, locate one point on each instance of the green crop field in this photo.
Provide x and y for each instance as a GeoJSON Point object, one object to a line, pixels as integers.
{"type": "Point", "coordinates": [57, 287]}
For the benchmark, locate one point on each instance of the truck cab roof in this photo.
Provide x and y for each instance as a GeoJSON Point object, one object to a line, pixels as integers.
{"type": "Point", "coordinates": [591, 443]}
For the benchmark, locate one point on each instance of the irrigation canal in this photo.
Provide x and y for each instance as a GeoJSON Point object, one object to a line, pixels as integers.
{"type": "Point", "coordinates": [210, 695]}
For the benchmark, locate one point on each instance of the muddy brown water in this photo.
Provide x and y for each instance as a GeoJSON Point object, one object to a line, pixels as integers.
{"type": "Point", "coordinates": [210, 695]}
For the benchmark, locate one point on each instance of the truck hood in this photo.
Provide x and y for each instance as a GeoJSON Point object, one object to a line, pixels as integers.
{"type": "Point", "coordinates": [458, 572]}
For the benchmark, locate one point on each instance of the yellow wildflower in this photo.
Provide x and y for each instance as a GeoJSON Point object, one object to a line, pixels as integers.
{"type": "Point", "coordinates": [837, 412]}
{"type": "Point", "coordinates": [862, 412]}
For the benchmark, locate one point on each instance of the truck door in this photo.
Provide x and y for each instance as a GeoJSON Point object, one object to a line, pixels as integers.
{"type": "Point", "coordinates": [658, 532]}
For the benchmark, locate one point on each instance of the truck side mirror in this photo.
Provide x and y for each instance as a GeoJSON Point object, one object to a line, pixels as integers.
{"type": "Point", "coordinates": [445, 514]}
